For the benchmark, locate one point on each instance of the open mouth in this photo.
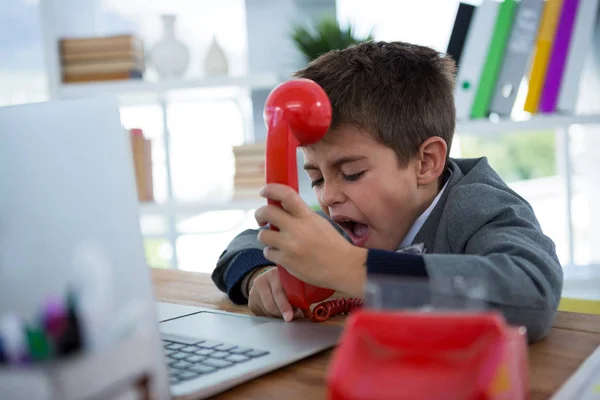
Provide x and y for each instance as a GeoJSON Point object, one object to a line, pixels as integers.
{"type": "Point", "coordinates": [357, 231]}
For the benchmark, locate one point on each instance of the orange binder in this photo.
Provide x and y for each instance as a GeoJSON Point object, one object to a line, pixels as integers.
{"type": "Point", "coordinates": [543, 49]}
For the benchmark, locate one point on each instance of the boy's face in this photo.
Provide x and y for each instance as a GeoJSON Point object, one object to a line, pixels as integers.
{"type": "Point", "coordinates": [360, 185]}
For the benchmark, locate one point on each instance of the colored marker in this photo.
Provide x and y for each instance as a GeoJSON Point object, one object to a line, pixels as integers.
{"type": "Point", "coordinates": [3, 358]}
{"type": "Point", "coordinates": [39, 346]}
{"type": "Point", "coordinates": [70, 340]}
{"type": "Point", "coordinates": [55, 320]}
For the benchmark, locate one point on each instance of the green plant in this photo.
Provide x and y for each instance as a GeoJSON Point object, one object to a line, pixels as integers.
{"type": "Point", "coordinates": [328, 35]}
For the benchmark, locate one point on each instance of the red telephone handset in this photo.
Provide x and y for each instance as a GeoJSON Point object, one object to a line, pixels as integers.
{"type": "Point", "coordinates": [297, 113]}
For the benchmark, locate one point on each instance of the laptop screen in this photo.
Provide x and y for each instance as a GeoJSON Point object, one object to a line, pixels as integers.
{"type": "Point", "coordinates": [70, 241]}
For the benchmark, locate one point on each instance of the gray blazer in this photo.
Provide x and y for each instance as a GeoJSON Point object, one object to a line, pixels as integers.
{"type": "Point", "coordinates": [480, 229]}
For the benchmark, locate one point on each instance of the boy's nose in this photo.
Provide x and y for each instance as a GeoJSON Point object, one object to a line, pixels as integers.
{"type": "Point", "coordinates": [331, 194]}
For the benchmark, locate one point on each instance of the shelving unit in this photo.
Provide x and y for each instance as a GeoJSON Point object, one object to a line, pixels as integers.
{"type": "Point", "coordinates": [143, 92]}
{"type": "Point", "coordinates": [161, 93]}
{"type": "Point", "coordinates": [138, 92]}
{"type": "Point", "coordinates": [173, 209]}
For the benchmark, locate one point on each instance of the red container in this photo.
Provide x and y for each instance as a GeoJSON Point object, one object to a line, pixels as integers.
{"type": "Point", "coordinates": [426, 356]}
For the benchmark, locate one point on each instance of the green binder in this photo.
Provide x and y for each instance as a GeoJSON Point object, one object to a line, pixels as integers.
{"type": "Point", "coordinates": [493, 61]}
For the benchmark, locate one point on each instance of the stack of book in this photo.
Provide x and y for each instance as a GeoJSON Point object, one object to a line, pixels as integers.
{"type": "Point", "coordinates": [250, 173]}
{"type": "Point", "coordinates": [101, 58]}
{"type": "Point", "coordinates": [501, 44]}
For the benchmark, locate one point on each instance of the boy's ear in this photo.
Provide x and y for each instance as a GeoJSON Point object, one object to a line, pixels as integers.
{"type": "Point", "coordinates": [432, 160]}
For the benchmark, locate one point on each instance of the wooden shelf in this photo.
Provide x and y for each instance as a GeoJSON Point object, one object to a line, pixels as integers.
{"type": "Point", "coordinates": [536, 122]}
{"type": "Point", "coordinates": [132, 87]}
{"type": "Point", "coordinates": [197, 207]}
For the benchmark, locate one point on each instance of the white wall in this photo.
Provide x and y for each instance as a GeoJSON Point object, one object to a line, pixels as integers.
{"type": "Point", "coordinates": [271, 50]}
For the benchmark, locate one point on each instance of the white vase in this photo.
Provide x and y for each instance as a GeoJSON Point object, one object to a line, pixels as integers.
{"type": "Point", "coordinates": [170, 56]}
{"type": "Point", "coordinates": [215, 63]}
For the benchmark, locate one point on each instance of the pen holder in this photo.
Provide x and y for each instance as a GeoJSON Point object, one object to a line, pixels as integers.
{"type": "Point", "coordinates": [425, 356]}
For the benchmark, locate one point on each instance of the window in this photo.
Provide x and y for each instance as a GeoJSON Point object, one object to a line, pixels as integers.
{"type": "Point", "coordinates": [202, 162]}
{"type": "Point", "coordinates": [205, 236]}
{"type": "Point", "coordinates": [159, 252]}
{"type": "Point", "coordinates": [527, 162]}
{"type": "Point", "coordinates": [22, 69]}
{"type": "Point", "coordinates": [533, 164]}
{"type": "Point", "coordinates": [585, 193]}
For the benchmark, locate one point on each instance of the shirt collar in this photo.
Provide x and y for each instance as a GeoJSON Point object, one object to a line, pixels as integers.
{"type": "Point", "coordinates": [418, 224]}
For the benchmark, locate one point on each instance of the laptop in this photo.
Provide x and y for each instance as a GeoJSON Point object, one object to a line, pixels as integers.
{"type": "Point", "coordinates": [69, 223]}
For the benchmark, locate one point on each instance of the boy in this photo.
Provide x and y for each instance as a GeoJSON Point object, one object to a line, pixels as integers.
{"type": "Point", "coordinates": [384, 179]}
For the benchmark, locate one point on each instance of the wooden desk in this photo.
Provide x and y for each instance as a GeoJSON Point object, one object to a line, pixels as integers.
{"type": "Point", "coordinates": [551, 361]}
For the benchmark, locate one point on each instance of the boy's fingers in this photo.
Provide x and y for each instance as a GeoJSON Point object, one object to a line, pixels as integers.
{"type": "Point", "coordinates": [259, 309]}
{"type": "Point", "coordinates": [260, 215]}
{"type": "Point", "coordinates": [280, 298]}
{"type": "Point", "coordinates": [268, 303]}
{"type": "Point", "coordinates": [255, 297]}
{"type": "Point", "coordinates": [289, 198]}
{"type": "Point", "coordinates": [269, 237]}
{"type": "Point", "coordinates": [254, 305]}
{"type": "Point", "coordinates": [273, 215]}
{"type": "Point", "coordinates": [273, 254]}
{"type": "Point", "coordinates": [298, 313]}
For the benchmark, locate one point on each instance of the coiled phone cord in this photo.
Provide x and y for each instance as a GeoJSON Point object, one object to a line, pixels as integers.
{"type": "Point", "coordinates": [331, 308]}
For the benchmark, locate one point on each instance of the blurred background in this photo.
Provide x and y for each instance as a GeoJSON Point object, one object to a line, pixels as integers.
{"type": "Point", "coordinates": [192, 77]}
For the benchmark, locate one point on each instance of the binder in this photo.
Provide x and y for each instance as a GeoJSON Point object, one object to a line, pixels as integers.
{"type": "Point", "coordinates": [463, 19]}
{"type": "Point", "coordinates": [543, 48]}
{"type": "Point", "coordinates": [518, 53]}
{"type": "Point", "coordinates": [583, 32]}
{"type": "Point", "coordinates": [558, 57]}
{"type": "Point", "coordinates": [493, 61]}
{"type": "Point", "coordinates": [473, 57]}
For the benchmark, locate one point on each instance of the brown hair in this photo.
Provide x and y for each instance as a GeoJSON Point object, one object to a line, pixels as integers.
{"type": "Point", "coordinates": [400, 93]}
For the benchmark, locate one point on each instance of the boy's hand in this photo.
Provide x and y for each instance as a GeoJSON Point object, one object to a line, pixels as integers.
{"type": "Point", "coordinates": [267, 298]}
{"type": "Point", "coordinates": [307, 245]}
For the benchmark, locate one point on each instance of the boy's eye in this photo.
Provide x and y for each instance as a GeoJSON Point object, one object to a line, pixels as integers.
{"type": "Point", "coordinates": [316, 182]}
{"type": "Point", "coordinates": [354, 177]}
{"type": "Point", "coordinates": [347, 178]}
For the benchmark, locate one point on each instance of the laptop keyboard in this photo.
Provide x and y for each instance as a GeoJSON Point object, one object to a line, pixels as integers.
{"type": "Point", "coordinates": [189, 358]}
